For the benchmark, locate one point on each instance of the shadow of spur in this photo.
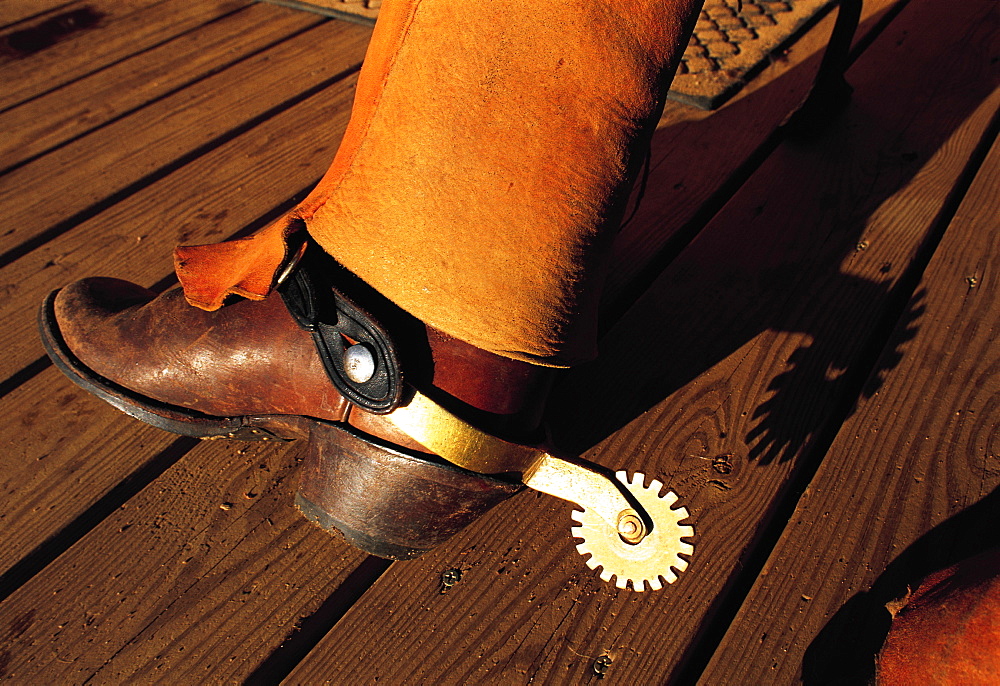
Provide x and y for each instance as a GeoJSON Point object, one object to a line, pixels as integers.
{"type": "Point", "coordinates": [844, 651]}
{"type": "Point", "coordinates": [777, 310]}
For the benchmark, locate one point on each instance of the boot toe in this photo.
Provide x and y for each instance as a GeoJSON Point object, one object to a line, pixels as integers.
{"type": "Point", "coordinates": [85, 304]}
{"type": "Point", "coordinates": [80, 312]}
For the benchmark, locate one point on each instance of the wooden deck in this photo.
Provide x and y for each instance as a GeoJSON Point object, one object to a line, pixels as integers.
{"type": "Point", "coordinates": [800, 340]}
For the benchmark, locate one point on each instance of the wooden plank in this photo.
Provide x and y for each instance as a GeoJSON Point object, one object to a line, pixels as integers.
{"type": "Point", "coordinates": [195, 580]}
{"type": "Point", "coordinates": [881, 511]}
{"type": "Point", "coordinates": [67, 450]}
{"type": "Point", "coordinates": [721, 142]}
{"type": "Point", "coordinates": [127, 27]}
{"type": "Point", "coordinates": [82, 105]}
{"type": "Point", "coordinates": [136, 237]}
{"type": "Point", "coordinates": [736, 352]}
{"type": "Point", "coordinates": [15, 11]}
{"type": "Point", "coordinates": [57, 187]}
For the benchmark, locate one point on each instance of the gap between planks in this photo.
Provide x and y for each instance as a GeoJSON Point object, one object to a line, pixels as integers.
{"type": "Point", "coordinates": [14, 12]}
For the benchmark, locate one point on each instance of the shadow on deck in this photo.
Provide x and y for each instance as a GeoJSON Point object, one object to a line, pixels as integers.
{"type": "Point", "coordinates": [798, 341]}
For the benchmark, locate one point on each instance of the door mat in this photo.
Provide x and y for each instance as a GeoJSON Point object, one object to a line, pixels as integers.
{"type": "Point", "coordinates": [732, 42]}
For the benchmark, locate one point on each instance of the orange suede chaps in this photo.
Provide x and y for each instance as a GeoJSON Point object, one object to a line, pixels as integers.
{"type": "Point", "coordinates": [485, 169]}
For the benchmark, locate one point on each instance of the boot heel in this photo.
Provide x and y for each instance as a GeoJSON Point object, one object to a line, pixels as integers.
{"type": "Point", "coordinates": [386, 500]}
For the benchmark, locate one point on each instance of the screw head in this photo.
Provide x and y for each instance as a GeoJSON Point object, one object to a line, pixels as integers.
{"type": "Point", "coordinates": [601, 665]}
{"type": "Point", "coordinates": [630, 527]}
{"type": "Point", "coordinates": [359, 363]}
{"type": "Point", "coordinates": [449, 578]}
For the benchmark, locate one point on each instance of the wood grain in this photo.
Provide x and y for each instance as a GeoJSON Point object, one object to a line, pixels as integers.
{"type": "Point", "coordinates": [916, 454]}
{"type": "Point", "coordinates": [52, 189]}
{"type": "Point", "coordinates": [721, 376]}
{"type": "Point", "coordinates": [63, 450]}
{"type": "Point", "coordinates": [195, 580]}
{"type": "Point", "coordinates": [236, 184]}
{"type": "Point", "coordinates": [128, 27]}
{"type": "Point", "coordinates": [85, 104]}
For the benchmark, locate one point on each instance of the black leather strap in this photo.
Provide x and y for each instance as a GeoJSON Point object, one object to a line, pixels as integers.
{"type": "Point", "coordinates": [337, 324]}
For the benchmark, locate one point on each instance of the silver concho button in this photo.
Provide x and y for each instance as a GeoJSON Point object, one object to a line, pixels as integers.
{"type": "Point", "coordinates": [359, 363]}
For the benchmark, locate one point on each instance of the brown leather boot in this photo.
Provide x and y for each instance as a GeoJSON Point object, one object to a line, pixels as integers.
{"type": "Point", "coordinates": [281, 368]}
{"type": "Point", "coordinates": [486, 167]}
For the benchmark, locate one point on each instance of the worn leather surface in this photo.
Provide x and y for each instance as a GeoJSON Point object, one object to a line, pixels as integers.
{"type": "Point", "coordinates": [485, 168]}
{"type": "Point", "coordinates": [249, 357]}
{"type": "Point", "coordinates": [252, 357]}
{"type": "Point", "coordinates": [949, 630]}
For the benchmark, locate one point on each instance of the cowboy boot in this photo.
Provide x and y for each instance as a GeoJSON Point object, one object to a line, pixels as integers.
{"type": "Point", "coordinates": [280, 368]}
{"type": "Point", "coordinates": [406, 314]}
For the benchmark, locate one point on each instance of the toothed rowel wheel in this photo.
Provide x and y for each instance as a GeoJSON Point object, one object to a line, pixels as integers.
{"type": "Point", "coordinates": [653, 560]}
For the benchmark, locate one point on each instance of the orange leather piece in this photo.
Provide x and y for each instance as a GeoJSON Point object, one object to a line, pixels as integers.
{"type": "Point", "coordinates": [245, 267]}
{"type": "Point", "coordinates": [486, 167]}
{"type": "Point", "coordinates": [949, 630]}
